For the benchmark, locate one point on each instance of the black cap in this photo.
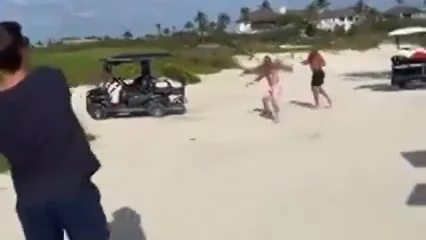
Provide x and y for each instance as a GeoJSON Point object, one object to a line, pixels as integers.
{"type": "Point", "coordinates": [11, 36]}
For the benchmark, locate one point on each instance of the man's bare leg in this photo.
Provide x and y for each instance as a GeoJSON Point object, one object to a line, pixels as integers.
{"type": "Point", "coordinates": [315, 93]}
{"type": "Point", "coordinates": [266, 109]}
{"type": "Point", "coordinates": [276, 107]}
{"type": "Point", "coordinates": [265, 104]}
{"type": "Point", "coordinates": [324, 93]}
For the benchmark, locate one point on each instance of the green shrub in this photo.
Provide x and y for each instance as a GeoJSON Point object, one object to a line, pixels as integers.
{"type": "Point", "coordinates": [90, 137]}
{"type": "Point", "coordinates": [4, 165]}
{"type": "Point", "coordinates": [179, 73]}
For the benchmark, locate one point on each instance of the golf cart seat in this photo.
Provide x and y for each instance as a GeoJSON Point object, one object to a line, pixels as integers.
{"type": "Point", "coordinates": [144, 83]}
{"type": "Point", "coordinates": [131, 96]}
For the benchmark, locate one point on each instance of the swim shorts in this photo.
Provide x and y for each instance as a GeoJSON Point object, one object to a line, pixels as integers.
{"type": "Point", "coordinates": [317, 78]}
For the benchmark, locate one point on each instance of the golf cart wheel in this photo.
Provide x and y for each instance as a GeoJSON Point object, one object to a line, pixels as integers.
{"type": "Point", "coordinates": [157, 110]}
{"type": "Point", "coordinates": [181, 111]}
{"type": "Point", "coordinates": [97, 112]}
{"type": "Point", "coordinates": [402, 85]}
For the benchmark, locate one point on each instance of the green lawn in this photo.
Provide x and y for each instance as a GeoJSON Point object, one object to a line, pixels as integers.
{"type": "Point", "coordinates": [82, 66]}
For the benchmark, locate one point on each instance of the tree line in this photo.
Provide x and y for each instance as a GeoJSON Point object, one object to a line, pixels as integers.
{"type": "Point", "coordinates": [201, 25]}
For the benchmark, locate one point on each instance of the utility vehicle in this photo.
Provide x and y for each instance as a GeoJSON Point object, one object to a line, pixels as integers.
{"type": "Point", "coordinates": [144, 94]}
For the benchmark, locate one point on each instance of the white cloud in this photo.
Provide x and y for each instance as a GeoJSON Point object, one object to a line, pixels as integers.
{"type": "Point", "coordinates": [86, 14]}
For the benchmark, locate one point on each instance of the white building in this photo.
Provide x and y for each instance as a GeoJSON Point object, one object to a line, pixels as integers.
{"type": "Point", "coordinates": [332, 19]}
{"type": "Point", "coordinates": [78, 41]}
{"type": "Point", "coordinates": [403, 11]}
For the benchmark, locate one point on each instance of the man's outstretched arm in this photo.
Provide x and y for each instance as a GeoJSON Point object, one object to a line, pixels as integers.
{"type": "Point", "coordinates": [254, 70]}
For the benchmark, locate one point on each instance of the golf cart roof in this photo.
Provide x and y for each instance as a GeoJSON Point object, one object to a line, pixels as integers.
{"type": "Point", "coordinates": [135, 57]}
{"type": "Point", "coordinates": [407, 31]}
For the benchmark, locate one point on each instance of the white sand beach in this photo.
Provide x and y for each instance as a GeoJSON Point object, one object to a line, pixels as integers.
{"type": "Point", "coordinates": [223, 172]}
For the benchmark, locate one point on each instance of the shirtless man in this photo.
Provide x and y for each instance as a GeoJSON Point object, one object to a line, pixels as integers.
{"type": "Point", "coordinates": [316, 63]}
{"type": "Point", "coordinates": [270, 70]}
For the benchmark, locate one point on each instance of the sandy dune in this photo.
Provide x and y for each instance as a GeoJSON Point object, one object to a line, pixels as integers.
{"type": "Point", "coordinates": [223, 172]}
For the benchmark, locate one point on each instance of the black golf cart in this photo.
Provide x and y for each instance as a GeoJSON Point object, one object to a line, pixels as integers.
{"type": "Point", "coordinates": [144, 94]}
{"type": "Point", "coordinates": [406, 69]}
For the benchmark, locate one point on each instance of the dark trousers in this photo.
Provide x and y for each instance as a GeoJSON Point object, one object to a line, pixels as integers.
{"type": "Point", "coordinates": [79, 213]}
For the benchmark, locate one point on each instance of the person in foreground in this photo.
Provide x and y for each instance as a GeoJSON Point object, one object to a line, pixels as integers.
{"type": "Point", "coordinates": [270, 70]}
{"type": "Point", "coordinates": [50, 159]}
{"type": "Point", "coordinates": [316, 63]}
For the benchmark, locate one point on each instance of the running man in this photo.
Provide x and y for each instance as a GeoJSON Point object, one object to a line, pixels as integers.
{"type": "Point", "coordinates": [50, 159]}
{"type": "Point", "coordinates": [270, 70]}
{"type": "Point", "coordinates": [316, 63]}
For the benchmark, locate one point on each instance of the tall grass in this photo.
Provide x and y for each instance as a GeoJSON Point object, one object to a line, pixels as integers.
{"type": "Point", "coordinates": [82, 66]}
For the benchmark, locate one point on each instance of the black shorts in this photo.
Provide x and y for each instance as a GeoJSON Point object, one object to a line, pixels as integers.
{"type": "Point", "coordinates": [317, 78]}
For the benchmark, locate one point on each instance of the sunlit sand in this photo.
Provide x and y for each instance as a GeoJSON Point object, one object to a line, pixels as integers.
{"type": "Point", "coordinates": [223, 172]}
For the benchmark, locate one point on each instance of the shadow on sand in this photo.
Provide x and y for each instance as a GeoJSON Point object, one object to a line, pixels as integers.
{"type": "Point", "coordinates": [363, 76]}
{"type": "Point", "coordinates": [302, 104]}
{"type": "Point", "coordinates": [417, 196]}
{"type": "Point", "coordinates": [262, 113]}
{"type": "Point", "coordinates": [126, 225]}
{"type": "Point", "coordinates": [133, 115]}
{"type": "Point", "coordinates": [380, 86]}
{"type": "Point", "coordinates": [386, 87]}
{"type": "Point", "coordinates": [416, 158]}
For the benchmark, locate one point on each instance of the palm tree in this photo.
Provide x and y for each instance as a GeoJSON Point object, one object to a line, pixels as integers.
{"type": "Point", "coordinates": [202, 21]}
{"type": "Point", "coordinates": [360, 7]}
{"type": "Point", "coordinates": [223, 20]}
{"type": "Point", "coordinates": [400, 2]}
{"type": "Point", "coordinates": [322, 4]}
{"type": "Point", "coordinates": [127, 35]}
{"type": "Point", "coordinates": [266, 5]}
{"type": "Point", "coordinates": [188, 26]}
{"type": "Point", "coordinates": [166, 31]}
{"type": "Point", "coordinates": [244, 15]}
{"type": "Point", "coordinates": [212, 26]}
{"type": "Point", "coordinates": [316, 7]}
{"type": "Point", "coordinates": [158, 26]}
{"type": "Point", "coordinates": [311, 11]}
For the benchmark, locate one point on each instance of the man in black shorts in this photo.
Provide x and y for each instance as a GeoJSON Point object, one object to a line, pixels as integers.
{"type": "Point", "coordinates": [317, 78]}
{"type": "Point", "coordinates": [51, 161]}
{"type": "Point", "coordinates": [316, 63]}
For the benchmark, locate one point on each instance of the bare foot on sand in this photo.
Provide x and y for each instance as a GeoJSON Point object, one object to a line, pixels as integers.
{"type": "Point", "coordinates": [329, 105]}
{"type": "Point", "coordinates": [275, 117]}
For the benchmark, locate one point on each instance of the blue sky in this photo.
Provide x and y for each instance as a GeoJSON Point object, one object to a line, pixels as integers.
{"type": "Point", "coordinates": [42, 19]}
